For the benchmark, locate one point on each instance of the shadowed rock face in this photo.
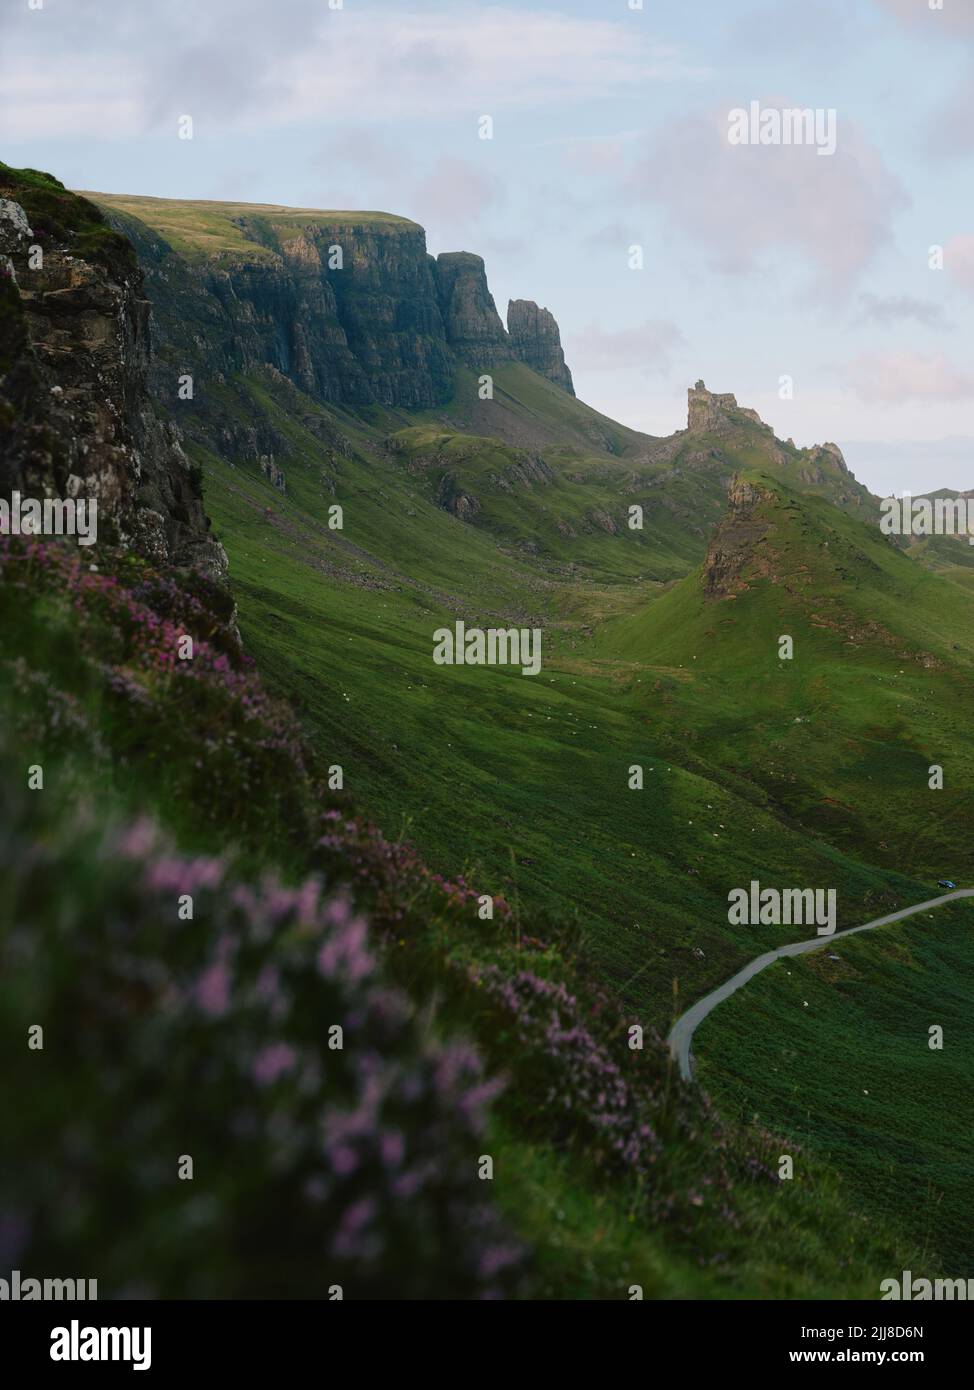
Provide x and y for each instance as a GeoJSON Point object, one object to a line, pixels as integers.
{"type": "Point", "coordinates": [387, 325]}
{"type": "Point", "coordinates": [473, 325]}
{"type": "Point", "coordinates": [366, 331]}
{"type": "Point", "coordinates": [536, 341]}
{"type": "Point", "coordinates": [75, 414]}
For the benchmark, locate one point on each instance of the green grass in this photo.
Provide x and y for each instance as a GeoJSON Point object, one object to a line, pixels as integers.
{"type": "Point", "coordinates": [841, 737]}
{"type": "Point", "coordinates": [199, 229]}
{"type": "Point", "coordinates": [592, 1234]}
{"type": "Point", "coordinates": [810, 772]}
{"type": "Point", "coordinates": [524, 780]}
{"type": "Point", "coordinates": [835, 1056]}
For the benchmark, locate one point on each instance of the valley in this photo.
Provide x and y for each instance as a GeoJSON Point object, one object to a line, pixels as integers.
{"type": "Point", "coordinates": [660, 648]}
{"type": "Point", "coordinates": [353, 383]}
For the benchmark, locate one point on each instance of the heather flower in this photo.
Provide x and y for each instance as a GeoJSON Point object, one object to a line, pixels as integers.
{"type": "Point", "coordinates": [349, 1165]}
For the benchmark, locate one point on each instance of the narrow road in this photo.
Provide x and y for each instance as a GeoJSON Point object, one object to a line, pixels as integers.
{"type": "Point", "coordinates": [686, 1025]}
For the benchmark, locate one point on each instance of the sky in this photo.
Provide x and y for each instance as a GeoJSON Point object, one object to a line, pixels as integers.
{"type": "Point", "coordinates": [804, 282]}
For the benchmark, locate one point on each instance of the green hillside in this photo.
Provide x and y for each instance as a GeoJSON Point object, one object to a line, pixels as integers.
{"type": "Point", "coordinates": [834, 1054]}
{"type": "Point", "coordinates": [368, 492]}
{"type": "Point", "coordinates": [841, 736]}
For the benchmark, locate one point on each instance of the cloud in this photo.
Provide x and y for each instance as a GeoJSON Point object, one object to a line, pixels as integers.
{"type": "Point", "coordinates": [231, 66]}
{"type": "Point", "coordinates": [959, 261]}
{"type": "Point", "coordinates": [648, 347]}
{"type": "Point", "coordinates": [595, 155]}
{"type": "Point", "coordinates": [368, 151]}
{"type": "Point", "coordinates": [948, 133]}
{"type": "Point", "coordinates": [956, 16]}
{"type": "Point", "coordinates": [893, 378]}
{"type": "Point", "coordinates": [746, 204]}
{"type": "Point", "coordinates": [456, 196]}
{"type": "Point", "coordinates": [888, 309]}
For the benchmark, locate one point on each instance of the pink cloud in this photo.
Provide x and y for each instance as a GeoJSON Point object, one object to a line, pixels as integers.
{"type": "Point", "coordinates": [649, 346]}
{"type": "Point", "coordinates": [959, 261]}
{"type": "Point", "coordinates": [897, 377]}
{"type": "Point", "coordinates": [747, 203]}
{"type": "Point", "coordinates": [956, 15]}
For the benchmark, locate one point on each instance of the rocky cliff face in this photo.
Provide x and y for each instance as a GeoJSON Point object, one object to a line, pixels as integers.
{"type": "Point", "coordinates": [348, 313]}
{"type": "Point", "coordinates": [380, 323]}
{"type": "Point", "coordinates": [473, 326]}
{"type": "Point", "coordinates": [536, 341]}
{"type": "Point", "coordinates": [733, 543]}
{"type": "Point", "coordinates": [75, 414]}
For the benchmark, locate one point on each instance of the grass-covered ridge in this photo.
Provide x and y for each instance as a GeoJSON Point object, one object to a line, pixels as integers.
{"type": "Point", "coordinates": [200, 228]}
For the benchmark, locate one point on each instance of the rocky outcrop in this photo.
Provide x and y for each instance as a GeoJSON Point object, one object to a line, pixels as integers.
{"type": "Point", "coordinates": [536, 341]}
{"type": "Point", "coordinates": [452, 498]}
{"type": "Point", "coordinates": [821, 462]}
{"type": "Point", "coordinates": [75, 414]}
{"type": "Point", "coordinates": [272, 472]}
{"type": "Point", "coordinates": [473, 326]}
{"type": "Point", "coordinates": [710, 413]}
{"type": "Point", "coordinates": [732, 543]}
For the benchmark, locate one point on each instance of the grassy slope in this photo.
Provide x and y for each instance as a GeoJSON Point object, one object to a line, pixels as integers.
{"type": "Point", "coordinates": [521, 780]}
{"type": "Point", "coordinates": [842, 736]}
{"type": "Point", "coordinates": [835, 1055]}
{"type": "Point", "coordinates": [841, 739]}
{"type": "Point", "coordinates": [647, 872]}
{"type": "Point", "coordinates": [182, 749]}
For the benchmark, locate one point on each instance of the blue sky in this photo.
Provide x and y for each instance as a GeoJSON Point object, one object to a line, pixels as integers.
{"type": "Point", "coordinates": [610, 130]}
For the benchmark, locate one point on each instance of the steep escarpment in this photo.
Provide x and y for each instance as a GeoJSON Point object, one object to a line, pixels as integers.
{"type": "Point", "coordinates": [349, 307]}
{"type": "Point", "coordinates": [536, 341]}
{"type": "Point", "coordinates": [349, 313]}
{"type": "Point", "coordinates": [470, 315]}
{"type": "Point", "coordinates": [75, 414]}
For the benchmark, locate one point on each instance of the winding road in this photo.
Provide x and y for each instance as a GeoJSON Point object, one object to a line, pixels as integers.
{"type": "Point", "coordinates": [686, 1025]}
